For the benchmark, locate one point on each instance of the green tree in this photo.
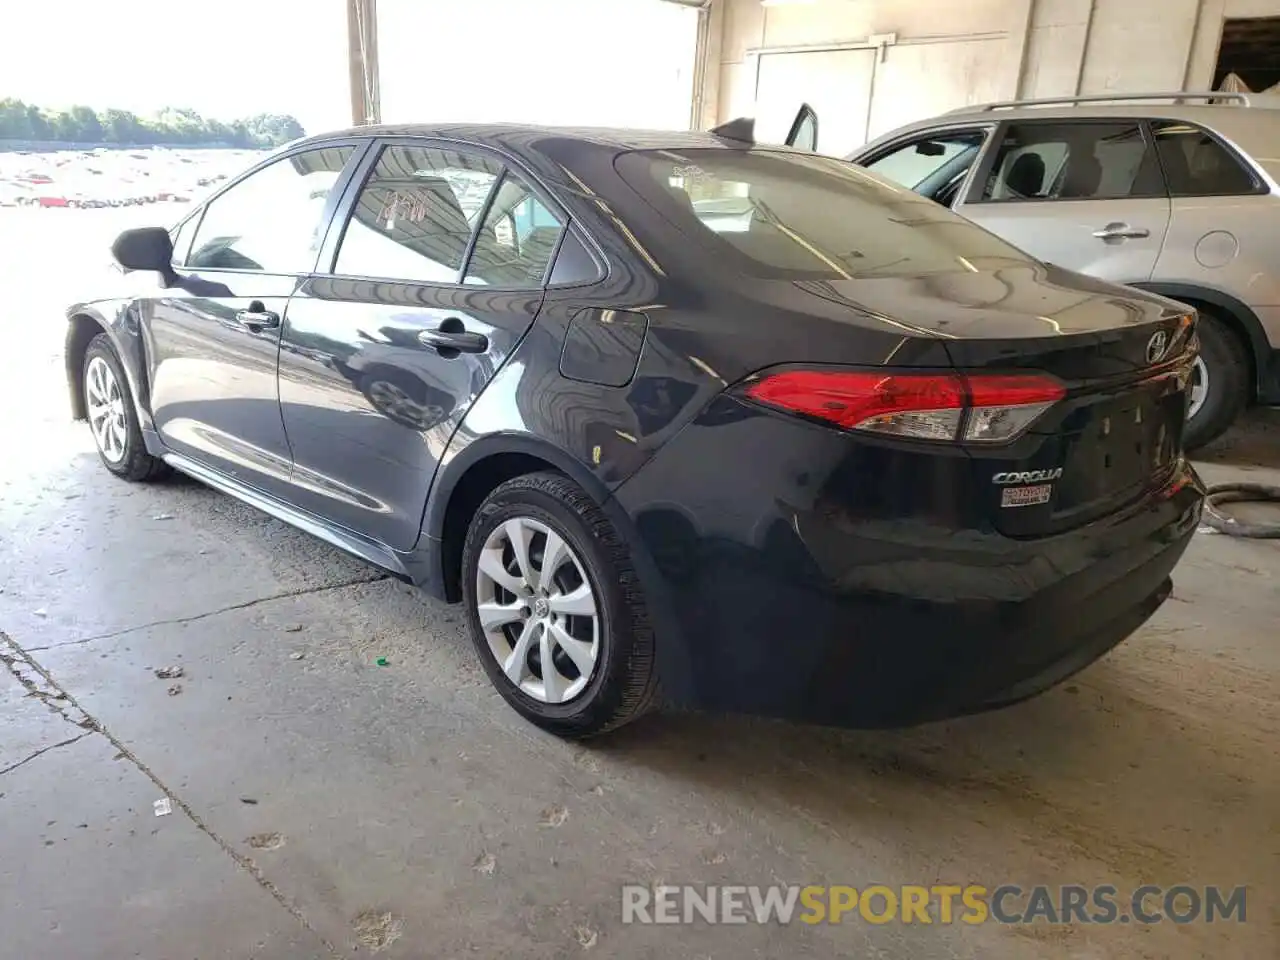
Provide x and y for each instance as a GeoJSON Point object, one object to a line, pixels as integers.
{"type": "Point", "coordinates": [88, 128]}
{"type": "Point", "coordinates": [121, 126]}
{"type": "Point", "coordinates": [273, 130]}
{"type": "Point", "coordinates": [38, 123]}
{"type": "Point", "coordinates": [63, 127]}
{"type": "Point", "coordinates": [14, 122]}
{"type": "Point", "coordinates": [173, 126]}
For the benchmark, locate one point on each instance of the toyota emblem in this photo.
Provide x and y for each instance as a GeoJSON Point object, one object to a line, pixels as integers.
{"type": "Point", "coordinates": [1156, 346]}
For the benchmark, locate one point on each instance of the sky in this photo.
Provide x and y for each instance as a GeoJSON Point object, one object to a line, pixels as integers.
{"type": "Point", "coordinates": [616, 62]}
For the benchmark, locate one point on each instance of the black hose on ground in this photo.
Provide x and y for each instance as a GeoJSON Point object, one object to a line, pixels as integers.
{"type": "Point", "coordinates": [1221, 493]}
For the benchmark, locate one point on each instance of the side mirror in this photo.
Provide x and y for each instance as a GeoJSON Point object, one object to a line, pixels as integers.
{"type": "Point", "coordinates": [146, 248]}
{"type": "Point", "coordinates": [928, 148]}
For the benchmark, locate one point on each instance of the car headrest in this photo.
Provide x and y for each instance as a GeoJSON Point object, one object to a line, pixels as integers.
{"type": "Point", "coordinates": [1026, 176]}
{"type": "Point", "coordinates": [1084, 175]}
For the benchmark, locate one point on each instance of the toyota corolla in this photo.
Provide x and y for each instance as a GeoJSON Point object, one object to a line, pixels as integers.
{"type": "Point", "coordinates": [680, 419]}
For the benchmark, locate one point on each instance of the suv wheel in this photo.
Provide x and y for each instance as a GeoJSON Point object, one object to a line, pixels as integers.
{"type": "Point", "coordinates": [555, 609]}
{"type": "Point", "coordinates": [1219, 383]}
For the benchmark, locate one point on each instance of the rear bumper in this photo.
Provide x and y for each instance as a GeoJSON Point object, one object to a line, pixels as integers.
{"type": "Point", "coordinates": [790, 600]}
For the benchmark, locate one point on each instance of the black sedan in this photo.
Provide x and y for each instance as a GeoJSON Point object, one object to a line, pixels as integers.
{"type": "Point", "coordinates": [680, 419]}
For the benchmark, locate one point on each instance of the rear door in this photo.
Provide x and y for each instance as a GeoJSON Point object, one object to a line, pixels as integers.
{"type": "Point", "coordinates": [1086, 195]}
{"type": "Point", "coordinates": [1222, 228]}
{"type": "Point", "coordinates": [433, 270]}
{"type": "Point", "coordinates": [214, 334]}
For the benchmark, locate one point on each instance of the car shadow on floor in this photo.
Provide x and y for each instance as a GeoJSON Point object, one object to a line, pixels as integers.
{"type": "Point", "coordinates": [1094, 774]}
{"type": "Point", "coordinates": [1254, 441]}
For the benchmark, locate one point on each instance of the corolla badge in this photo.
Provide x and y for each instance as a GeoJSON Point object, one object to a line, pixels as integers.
{"type": "Point", "coordinates": [1156, 346]}
{"type": "Point", "coordinates": [1027, 476]}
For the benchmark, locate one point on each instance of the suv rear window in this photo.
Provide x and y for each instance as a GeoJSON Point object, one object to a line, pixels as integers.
{"type": "Point", "coordinates": [1197, 165]}
{"type": "Point", "coordinates": [799, 216]}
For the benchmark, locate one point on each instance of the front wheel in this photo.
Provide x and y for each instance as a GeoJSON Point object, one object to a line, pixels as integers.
{"type": "Point", "coordinates": [113, 421]}
{"type": "Point", "coordinates": [555, 609]}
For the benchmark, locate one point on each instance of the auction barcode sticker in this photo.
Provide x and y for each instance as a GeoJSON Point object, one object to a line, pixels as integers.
{"type": "Point", "coordinates": [1026, 496]}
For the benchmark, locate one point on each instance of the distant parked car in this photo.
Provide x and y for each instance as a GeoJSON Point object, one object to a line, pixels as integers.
{"type": "Point", "coordinates": [1173, 193]}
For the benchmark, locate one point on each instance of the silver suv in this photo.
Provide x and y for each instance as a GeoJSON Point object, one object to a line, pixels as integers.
{"type": "Point", "coordinates": [1175, 193]}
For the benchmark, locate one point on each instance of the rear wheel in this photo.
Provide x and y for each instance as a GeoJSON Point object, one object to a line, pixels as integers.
{"type": "Point", "coordinates": [555, 610]}
{"type": "Point", "coordinates": [113, 420]}
{"type": "Point", "coordinates": [1219, 382]}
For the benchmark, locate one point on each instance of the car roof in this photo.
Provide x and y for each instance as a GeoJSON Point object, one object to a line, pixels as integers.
{"type": "Point", "coordinates": [517, 137]}
{"type": "Point", "coordinates": [1255, 127]}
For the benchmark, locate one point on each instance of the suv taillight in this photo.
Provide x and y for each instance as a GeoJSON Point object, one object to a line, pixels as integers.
{"type": "Point", "coordinates": [973, 408]}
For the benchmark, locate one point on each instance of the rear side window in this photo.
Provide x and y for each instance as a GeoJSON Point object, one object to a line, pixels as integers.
{"type": "Point", "coordinates": [804, 217]}
{"type": "Point", "coordinates": [415, 215]}
{"type": "Point", "coordinates": [1074, 161]}
{"type": "Point", "coordinates": [517, 239]}
{"type": "Point", "coordinates": [1197, 165]}
{"type": "Point", "coordinates": [574, 264]}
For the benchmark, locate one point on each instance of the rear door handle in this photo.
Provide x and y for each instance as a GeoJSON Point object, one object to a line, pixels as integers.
{"type": "Point", "coordinates": [451, 335]}
{"type": "Point", "coordinates": [1121, 231]}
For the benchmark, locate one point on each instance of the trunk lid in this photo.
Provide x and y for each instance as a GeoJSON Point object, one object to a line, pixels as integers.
{"type": "Point", "coordinates": [1123, 356]}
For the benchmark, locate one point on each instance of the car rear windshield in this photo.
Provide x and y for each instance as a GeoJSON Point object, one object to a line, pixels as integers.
{"type": "Point", "coordinates": [797, 216]}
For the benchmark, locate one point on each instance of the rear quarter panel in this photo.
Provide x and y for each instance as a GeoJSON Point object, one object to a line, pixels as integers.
{"type": "Point", "coordinates": [1227, 244]}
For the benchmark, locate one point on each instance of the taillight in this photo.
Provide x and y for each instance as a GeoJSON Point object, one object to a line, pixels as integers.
{"type": "Point", "coordinates": [974, 408]}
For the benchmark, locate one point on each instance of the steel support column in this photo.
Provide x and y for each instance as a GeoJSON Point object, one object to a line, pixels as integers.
{"type": "Point", "coordinates": [362, 58]}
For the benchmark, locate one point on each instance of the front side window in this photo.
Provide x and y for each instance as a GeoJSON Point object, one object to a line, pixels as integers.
{"type": "Point", "coordinates": [182, 235]}
{"type": "Point", "coordinates": [1197, 165]}
{"type": "Point", "coordinates": [271, 220]}
{"type": "Point", "coordinates": [799, 216]}
{"type": "Point", "coordinates": [415, 215]}
{"type": "Point", "coordinates": [517, 239]}
{"type": "Point", "coordinates": [932, 166]}
{"type": "Point", "coordinates": [1074, 161]}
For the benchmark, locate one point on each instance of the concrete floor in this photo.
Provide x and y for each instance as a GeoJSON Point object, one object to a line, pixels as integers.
{"type": "Point", "coordinates": [324, 806]}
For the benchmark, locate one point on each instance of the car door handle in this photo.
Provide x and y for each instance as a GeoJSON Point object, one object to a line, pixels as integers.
{"type": "Point", "coordinates": [257, 317]}
{"type": "Point", "coordinates": [1121, 231]}
{"type": "Point", "coordinates": [451, 335]}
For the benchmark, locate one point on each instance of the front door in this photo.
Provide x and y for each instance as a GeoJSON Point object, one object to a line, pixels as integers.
{"type": "Point", "coordinates": [1086, 195]}
{"type": "Point", "coordinates": [215, 334]}
{"type": "Point", "coordinates": [439, 272]}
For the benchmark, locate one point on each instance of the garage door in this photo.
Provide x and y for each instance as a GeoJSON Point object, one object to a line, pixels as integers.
{"type": "Point", "coordinates": [918, 80]}
{"type": "Point", "coordinates": [836, 83]}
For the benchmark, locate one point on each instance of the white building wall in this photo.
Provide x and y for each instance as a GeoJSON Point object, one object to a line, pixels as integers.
{"type": "Point", "coordinates": [948, 53]}
{"type": "Point", "coordinates": [625, 63]}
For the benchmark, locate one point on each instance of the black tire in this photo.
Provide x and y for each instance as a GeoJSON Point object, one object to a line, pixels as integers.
{"type": "Point", "coordinates": [1227, 362]}
{"type": "Point", "coordinates": [135, 464]}
{"type": "Point", "coordinates": [623, 687]}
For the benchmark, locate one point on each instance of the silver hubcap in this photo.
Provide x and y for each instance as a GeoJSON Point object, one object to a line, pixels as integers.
{"type": "Point", "coordinates": [106, 409]}
{"type": "Point", "coordinates": [1199, 387]}
{"type": "Point", "coordinates": [537, 610]}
